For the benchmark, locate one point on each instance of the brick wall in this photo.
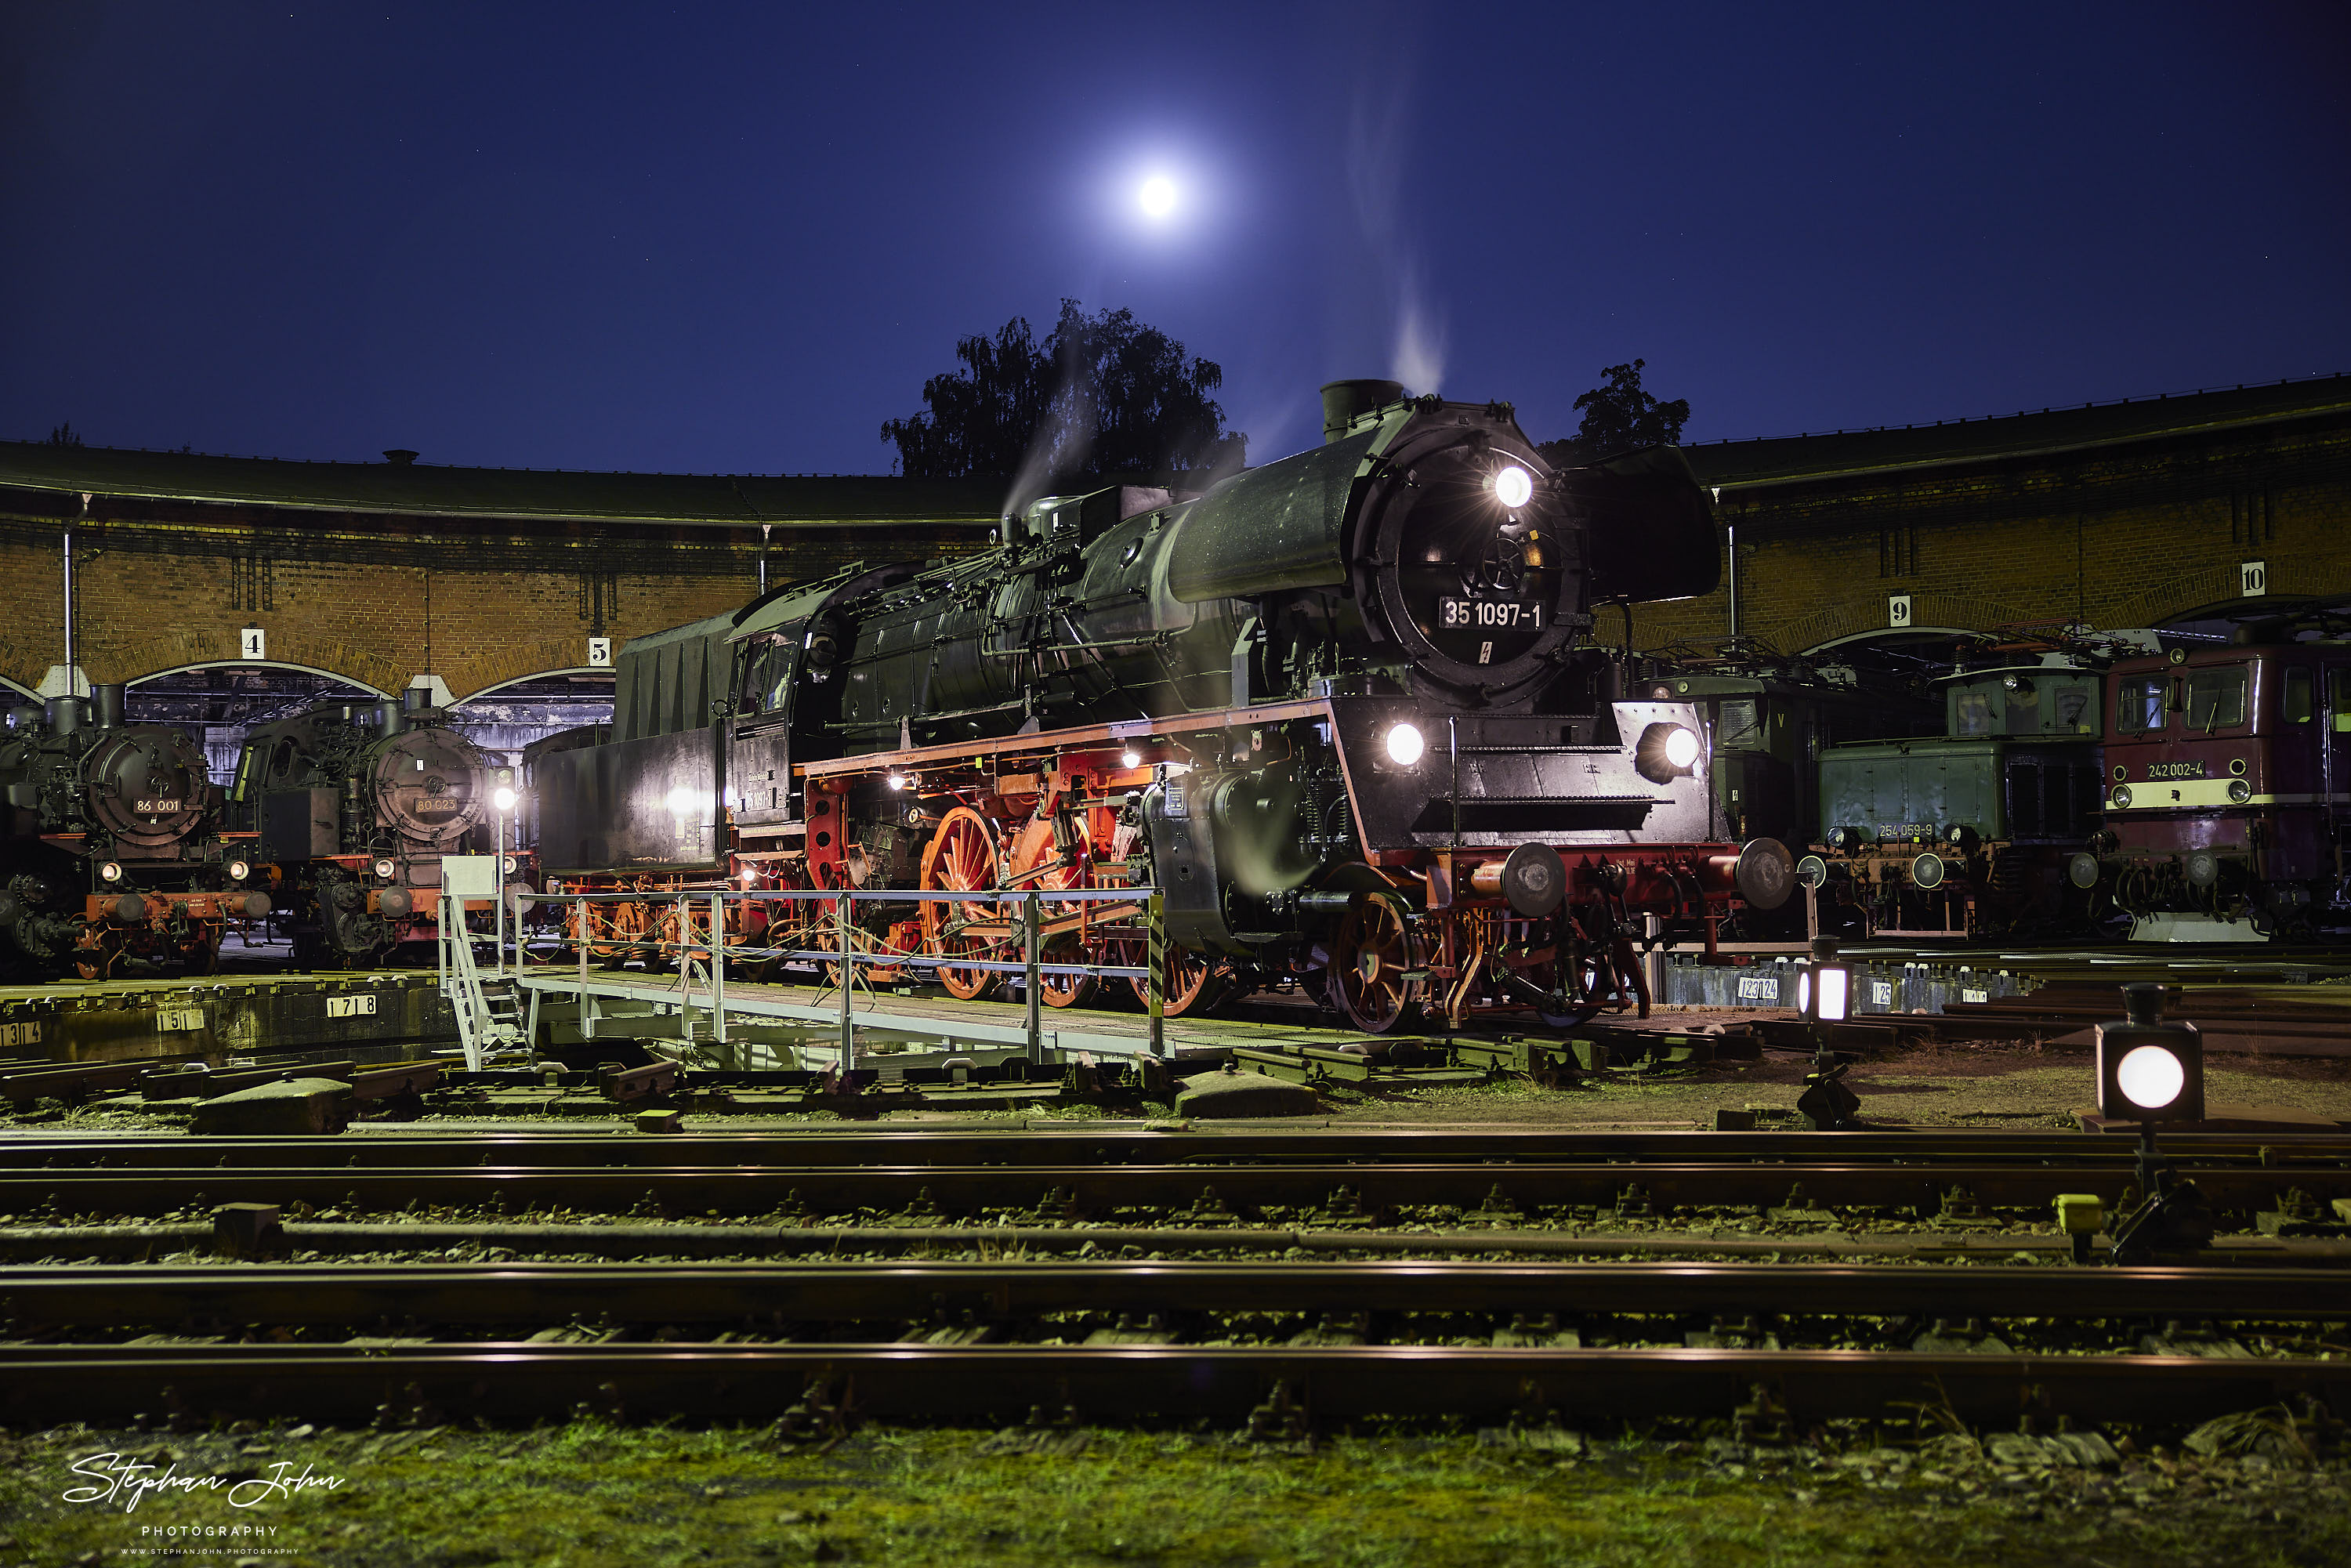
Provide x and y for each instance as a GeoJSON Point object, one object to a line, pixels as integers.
{"type": "Point", "coordinates": [476, 607]}
{"type": "Point", "coordinates": [2122, 538]}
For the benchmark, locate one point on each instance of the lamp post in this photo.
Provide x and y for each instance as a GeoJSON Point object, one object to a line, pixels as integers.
{"type": "Point", "coordinates": [502, 800]}
{"type": "Point", "coordinates": [1824, 996]}
{"type": "Point", "coordinates": [2152, 1073]}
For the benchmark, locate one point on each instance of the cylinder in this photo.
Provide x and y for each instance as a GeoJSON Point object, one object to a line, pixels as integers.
{"type": "Point", "coordinates": [417, 699]}
{"type": "Point", "coordinates": [65, 713]}
{"type": "Point", "coordinates": [256, 904]}
{"type": "Point", "coordinates": [391, 717]}
{"type": "Point", "coordinates": [127, 909]}
{"type": "Point", "coordinates": [1342, 401]}
{"type": "Point", "coordinates": [106, 697]}
{"type": "Point", "coordinates": [1534, 880]}
{"type": "Point", "coordinates": [2143, 1003]}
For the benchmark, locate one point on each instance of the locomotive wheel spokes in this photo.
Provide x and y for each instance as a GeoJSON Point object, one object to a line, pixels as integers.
{"type": "Point", "coordinates": [1034, 847]}
{"type": "Point", "coordinates": [1372, 965]}
{"type": "Point", "coordinates": [1195, 983]}
{"type": "Point", "coordinates": [961, 859]}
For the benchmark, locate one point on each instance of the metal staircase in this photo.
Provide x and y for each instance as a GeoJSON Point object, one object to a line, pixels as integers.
{"type": "Point", "coordinates": [495, 1021]}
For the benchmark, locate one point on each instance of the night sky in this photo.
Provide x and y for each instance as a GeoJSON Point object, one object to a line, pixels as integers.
{"type": "Point", "coordinates": [739, 238]}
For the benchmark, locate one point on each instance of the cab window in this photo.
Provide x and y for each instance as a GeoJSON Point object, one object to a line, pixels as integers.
{"type": "Point", "coordinates": [2138, 705]}
{"type": "Point", "coordinates": [2074, 715]}
{"type": "Point", "coordinates": [2293, 701]}
{"type": "Point", "coordinates": [2338, 697]}
{"type": "Point", "coordinates": [2216, 698]}
{"type": "Point", "coordinates": [2024, 710]}
{"type": "Point", "coordinates": [1742, 725]}
{"type": "Point", "coordinates": [1972, 713]}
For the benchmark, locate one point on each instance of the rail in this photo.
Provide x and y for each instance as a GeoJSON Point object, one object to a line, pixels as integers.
{"type": "Point", "coordinates": [703, 955]}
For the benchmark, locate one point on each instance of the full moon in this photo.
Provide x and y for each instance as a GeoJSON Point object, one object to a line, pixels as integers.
{"type": "Point", "coordinates": [1158, 196]}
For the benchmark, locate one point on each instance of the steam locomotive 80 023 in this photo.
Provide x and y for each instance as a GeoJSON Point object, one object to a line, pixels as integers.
{"type": "Point", "coordinates": [355, 806]}
{"type": "Point", "coordinates": [112, 846]}
{"type": "Point", "coordinates": [1344, 709]}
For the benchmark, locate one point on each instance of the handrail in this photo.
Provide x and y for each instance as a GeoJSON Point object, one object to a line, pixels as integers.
{"type": "Point", "coordinates": [709, 954]}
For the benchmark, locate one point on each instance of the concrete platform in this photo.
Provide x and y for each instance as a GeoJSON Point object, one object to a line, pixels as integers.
{"type": "Point", "coordinates": [215, 1018]}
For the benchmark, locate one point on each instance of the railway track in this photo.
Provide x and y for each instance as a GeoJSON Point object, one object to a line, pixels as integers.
{"type": "Point", "coordinates": [758, 1297]}
{"type": "Point", "coordinates": [1217, 1179]}
{"type": "Point", "coordinates": [1499, 1343]}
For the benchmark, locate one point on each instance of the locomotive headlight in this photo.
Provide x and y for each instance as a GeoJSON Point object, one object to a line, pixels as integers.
{"type": "Point", "coordinates": [2122, 797]}
{"type": "Point", "coordinates": [502, 798]}
{"type": "Point", "coordinates": [1513, 486]}
{"type": "Point", "coordinates": [110, 871]}
{"type": "Point", "coordinates": [2240, 791]}
{"type": "Point", "coordinates": [510, 865]}
{"type": "Point", "coordinates": [1405, 745]}
{"type": "Point", "coordinates": [1682, 747]}
{"type": "Point", "coordinates": [238, 871]}
{"type": "Point", "coordinates": [897, 781]}
{"type": "Point", "coordinates": [1130, 758]}
{"type": "Point", "coordinates": [383, 869]}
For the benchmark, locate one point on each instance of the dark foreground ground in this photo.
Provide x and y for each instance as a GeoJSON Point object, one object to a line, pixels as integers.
{"type": "Point", "coordinates": [589, 1495]}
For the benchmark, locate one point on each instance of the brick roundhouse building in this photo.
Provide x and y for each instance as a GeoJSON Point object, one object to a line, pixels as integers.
{"type": "Point", "coordinates": [483, 580]}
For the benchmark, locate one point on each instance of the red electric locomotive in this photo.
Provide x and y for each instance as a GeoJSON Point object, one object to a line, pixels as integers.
{"type": "Point", "coordinates": [2228, 789]}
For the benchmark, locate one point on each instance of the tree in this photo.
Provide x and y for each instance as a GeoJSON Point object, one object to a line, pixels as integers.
{"type": "Point", "coordinates": [1618, 416]}
{"type": "Point", "coordinates": [63, 435]}
{"type": "Point", "coordinates": [1102, 393]}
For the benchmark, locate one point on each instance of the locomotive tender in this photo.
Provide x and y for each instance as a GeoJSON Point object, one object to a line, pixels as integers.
{"type": "Point", "coordinates": [1342, 709]}
{"type": "Point", "coordinates": [113, 846]}
{"type": "Point", "coordinates": [355, 805]}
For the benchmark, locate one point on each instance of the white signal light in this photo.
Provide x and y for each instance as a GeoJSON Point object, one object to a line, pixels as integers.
{"type": "Point", "coordinates": [384, 869]}
{"type": "Point", "coordinates": [897, 781]}
{"type": "Point", "coordinates": [110, 871]}
{"type": "Point", "coordinates": [2150, 1077]}
{"type": "Point", "coordinates": [502, 798]}
{"type": "Point", "coordinates": [510, 865]}
{"type": "Point", "coordinates": [1130, 758]}
{"type": "Point", "coordinates": [1405, 746]}
{"type": "Point", "coordinates": [238, 871]}
{"type": "Point", "coordinates": [1513, 487]}
{"type": "Point", "coordinates": [1682, 747]}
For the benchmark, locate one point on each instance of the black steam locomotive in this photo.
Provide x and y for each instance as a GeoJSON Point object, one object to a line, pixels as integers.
{"type": "Point", "coordinates": [1342, 709]}
{"type": "Point", "coordinates": [354, 806]}
{"type": "Point", "coordinates": [113, 846]}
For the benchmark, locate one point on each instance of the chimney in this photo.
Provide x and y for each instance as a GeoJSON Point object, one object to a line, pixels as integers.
{"type": "Point", "coordinates": [1342, 401]}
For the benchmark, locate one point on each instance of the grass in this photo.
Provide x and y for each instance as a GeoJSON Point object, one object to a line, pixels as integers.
{"type": "Point", "coordinates": [590, 1494]}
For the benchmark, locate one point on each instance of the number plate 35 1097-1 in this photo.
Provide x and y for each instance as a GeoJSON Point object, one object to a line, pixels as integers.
{"type": "Point", "coordinates": [1487, 614]}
